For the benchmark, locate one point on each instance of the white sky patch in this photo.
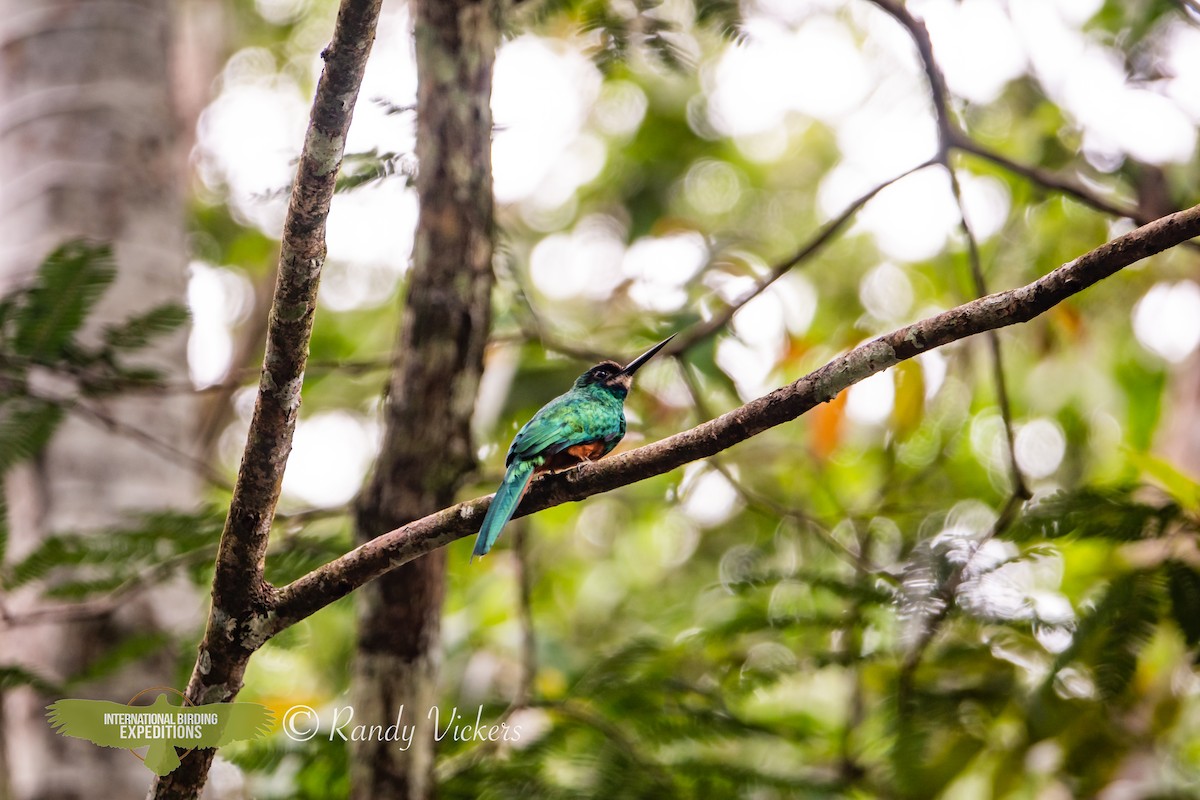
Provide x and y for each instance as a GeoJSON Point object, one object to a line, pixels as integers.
{"type": "Point", "coordinates": [912, 218]}
{"type": "Point", "coordinates": [746, 95]}
{"type": "Point", "coordinates": [660, 265]}
{"type": "Point", "coordinates": [986, 203]}
{"type": "Point", "coordinates": [1040, 446]}
{"type": "Point", "coordinates": [1088, 80]}
{"type": "Point", "coordinates": [330, 456]}
{"type": "Point", "coordinates": [370, 238]}
{"type": "Point", "coordinates": [218, 299]}
{"type": "Point", "coordinates": [933, 365]}
{"type": "Point", "coordinates": [583, 263]}
{"type": "Point", "coordinates": [391, 75]}
{"type": "Point", "coordinates": [248, 137]}
{"type": "Point", "coordinates": [892, 132]}
{"type": "Point", "coordinates": [748, 367]}
{"type": "Point", "coordinates": [799, 299]}
{"type": "Point", "coordinates": [975, 44]}
{"type": "Point", "coordinates": [712, 186]}
{"type": "Point", "coordinates": [708, 498]}
{"type": "Point", "coordinates": [760, 324]}
{"type": "Point", "coordinates": [1181, 46]}
{"type": "Point", "coordinates": [279, 12]}
{"type": "Point", "coordinates": [579, 163]}
{"type": "Point", "coordinates": [886, 293]}
{"type": "Point", "coordinates": [870, 401]}
{"type": "Point", "coordinates": [786, 307]}
{"type": "Point", "coordinates": [542, 94]}
{"type": "Point", "coordinates": [1167, 320]}
{"type": "Point", "coordinates": [620, 108]}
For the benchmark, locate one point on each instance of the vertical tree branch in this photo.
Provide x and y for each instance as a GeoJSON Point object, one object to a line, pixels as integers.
{"type": "Point", "coordinates": [241, 598]}
{"type": "Point", "coordinates": [527, 684]}
{"type": "Point", "coordinates": [427, 450]}
{"type": "Point", "coordinates": [949, 136]}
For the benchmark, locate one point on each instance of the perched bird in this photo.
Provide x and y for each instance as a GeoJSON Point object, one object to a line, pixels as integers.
{"type": "Point", "coordinates": [582, 425]}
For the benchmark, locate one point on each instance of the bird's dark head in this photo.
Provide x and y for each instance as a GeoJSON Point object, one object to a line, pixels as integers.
{"type": "Point", "coordinates": [613, 376]}
{"type": "Point", "coordinates": [608, 374]}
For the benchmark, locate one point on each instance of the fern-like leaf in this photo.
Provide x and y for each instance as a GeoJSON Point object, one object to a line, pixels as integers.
{"type": "Point", "coordinates": [68, 284]}
{"type": "Point", "coordinates": [26, 425]}
{"type": "Point", "coordinates": [139, 331]}
{"type": "Point", "coordinates": [1183, 583]}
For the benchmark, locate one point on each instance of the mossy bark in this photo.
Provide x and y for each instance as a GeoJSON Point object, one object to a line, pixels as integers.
{"type": "Point", "coordinates": [427, 448]}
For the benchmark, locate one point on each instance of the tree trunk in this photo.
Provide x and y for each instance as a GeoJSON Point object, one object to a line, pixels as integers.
{"type": "Point", "coordinates": [87, 149]}
{"type": "Point", "coordinates": [427, 447]}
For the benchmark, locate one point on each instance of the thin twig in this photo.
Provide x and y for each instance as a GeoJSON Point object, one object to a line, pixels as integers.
{"type": "Point", "coordinates": [719, 320]}
{"type": "Point", "coordinates": [526, 686]}
{"type": "Point", "coordinates": [993, 339]}
{"type": "Point", "coordinates": [948, 134]}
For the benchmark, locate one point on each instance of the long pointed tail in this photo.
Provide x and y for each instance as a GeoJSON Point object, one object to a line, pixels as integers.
{"type": "Point", "coordinates": [508, 496]}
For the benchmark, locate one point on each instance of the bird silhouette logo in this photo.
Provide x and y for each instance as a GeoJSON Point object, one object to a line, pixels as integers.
{"type": "Point", "coordinates": [160, 726]}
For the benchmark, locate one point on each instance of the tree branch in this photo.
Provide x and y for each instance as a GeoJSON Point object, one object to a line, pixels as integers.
{"type": "Point", "coordinates": [343, 575]}
{"type": "Point", "coordinates": [240, 595]}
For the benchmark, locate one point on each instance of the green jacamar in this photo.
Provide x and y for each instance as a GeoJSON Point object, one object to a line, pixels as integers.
{"type": "Point", "coordinates": [582, 425]}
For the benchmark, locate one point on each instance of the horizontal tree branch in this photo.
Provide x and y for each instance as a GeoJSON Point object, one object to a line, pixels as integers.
{"type": "Point", "coordinates": [338, 578]}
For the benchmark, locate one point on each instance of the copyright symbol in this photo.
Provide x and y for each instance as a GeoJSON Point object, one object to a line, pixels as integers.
{"type": "Point", "coordinates": [300, 723]}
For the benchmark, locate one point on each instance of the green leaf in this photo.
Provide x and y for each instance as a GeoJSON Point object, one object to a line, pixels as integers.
{"type": "Point", "coordinates": [68, 284]}
{"type": "Point", "coordinates": [133, 648]}
{"type": "Point", "coordinates": [724, 15]}
{"type": "Point", "coordinates": [1183, 583]}
{"type": "Point", "coordinates": [1094, 512]}
{"type": "Point", "coordinates": [138, 331]}
{"type": "Point", "coordinates": [1110, 638]}
{"type": "Point", "coordinates": [12, 676]}
{"type": "Point", "coordinates": [26, 425]}
{"type": "Point", "coordinates": [371, 166]}
{"type": "Point", "coordinates": [1182, 488]}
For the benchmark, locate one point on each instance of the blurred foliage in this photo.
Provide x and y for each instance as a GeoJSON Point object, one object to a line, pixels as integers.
{"type": "Point", "coordinates": [835, 608]}
{"type": "Point", "coordinates": [42, 345]}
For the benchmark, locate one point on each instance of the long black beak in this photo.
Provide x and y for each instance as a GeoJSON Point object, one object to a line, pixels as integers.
{"type": "Point", "coordinates": [636, 364]}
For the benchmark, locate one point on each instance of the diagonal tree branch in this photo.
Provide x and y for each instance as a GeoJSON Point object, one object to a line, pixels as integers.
{"type": "Point", "coordinates": [1042, 177]}
{"type": "Point", "coordinates": [343, 575]}
{"type": "Point", "coordinates": [240, 595]}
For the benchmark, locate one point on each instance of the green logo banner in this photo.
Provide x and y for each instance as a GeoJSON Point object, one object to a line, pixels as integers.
{"type": "Point", "coordinates": [161, 727]}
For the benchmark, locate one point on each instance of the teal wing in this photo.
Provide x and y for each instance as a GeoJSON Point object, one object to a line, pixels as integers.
{"type": "Point", "coordinates": [84, 719]}
{"type": "Point", "coordinates": [564, 422]}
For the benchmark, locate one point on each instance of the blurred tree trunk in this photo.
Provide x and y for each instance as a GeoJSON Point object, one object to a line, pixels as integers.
{"type": "Point", "coordinates": [427, 448]}
{"type": "Point", "coordinates": [88, 149]}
